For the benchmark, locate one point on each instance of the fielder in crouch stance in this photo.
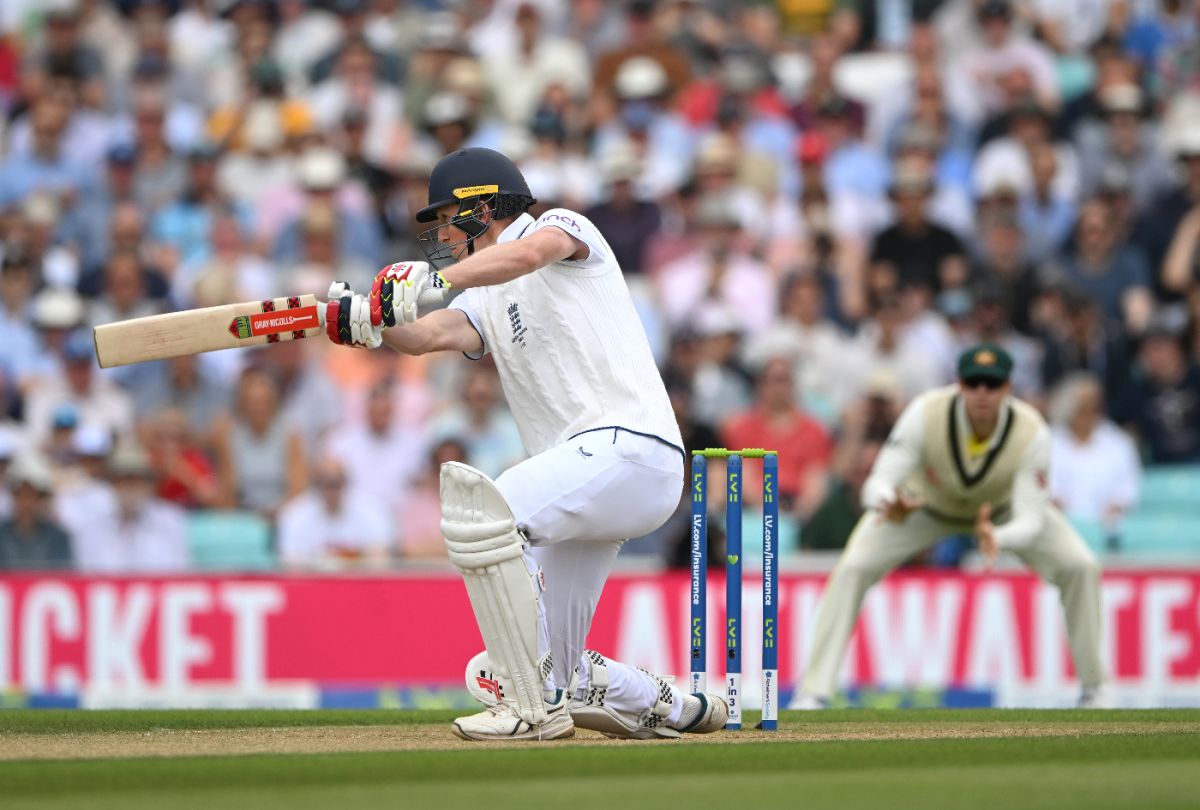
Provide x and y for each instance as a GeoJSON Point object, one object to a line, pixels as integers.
{"type": "Point", "coordinates": [968, 457]}
{"type": "Point", "coordinates": [547, 299]}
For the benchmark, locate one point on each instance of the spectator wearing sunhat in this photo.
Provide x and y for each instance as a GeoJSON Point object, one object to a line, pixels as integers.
{"type": "Point", "coordinates": [81, 385]}
{"type": "Point", "coordinates": [56, 313]}
{"type": "Point", "coordinates": [322, 182]}
{"type": "Point", "coordinates": [643, 40]}
{"type": "Point", "coordinates": [30, 539]}
{"type": "Point", "coordinates": [644, 117]}
{"type": "Point", "coordinates": [134, 531]}
{"type": "Point", "coordinates": [627, 219]}
{"type": "Point", "coordinates": [81, 486]}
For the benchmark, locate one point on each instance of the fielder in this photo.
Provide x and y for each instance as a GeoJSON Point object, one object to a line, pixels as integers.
{"type": "Point", "coordinates": [547, 299]}
{"type": "Point", "coordinates": [967, 457]}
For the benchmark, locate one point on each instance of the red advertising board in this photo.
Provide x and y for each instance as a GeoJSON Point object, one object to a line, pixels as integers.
{"type": "Point", "coordinates": [1003, 632]}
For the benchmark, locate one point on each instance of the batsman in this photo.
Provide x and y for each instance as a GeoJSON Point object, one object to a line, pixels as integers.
{"type": "Point", "coordinates": [967, 458]}
{"type": "Point", "coordinates": [547, 299]}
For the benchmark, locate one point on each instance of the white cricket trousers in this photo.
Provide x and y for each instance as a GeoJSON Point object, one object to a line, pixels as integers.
{"type": "Point", "coordinates": [577, 503]}
{"type": "Point", "coordinates": [876, 547]}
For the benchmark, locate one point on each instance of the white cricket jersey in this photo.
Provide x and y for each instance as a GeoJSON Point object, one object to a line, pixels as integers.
{"type": "Point", "coordinates": [570, 349]}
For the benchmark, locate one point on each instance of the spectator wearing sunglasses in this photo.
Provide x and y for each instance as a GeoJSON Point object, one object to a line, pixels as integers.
{"type": "Point", "coordinates": [966, 458]}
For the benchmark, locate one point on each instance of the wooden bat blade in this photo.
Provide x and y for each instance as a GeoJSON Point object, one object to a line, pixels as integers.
{"type": "Point", "coordinates": [232, 326]}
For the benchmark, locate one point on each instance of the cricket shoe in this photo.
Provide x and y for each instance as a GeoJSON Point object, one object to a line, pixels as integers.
{"type": "Point", "coordinates": [1096, 698]}
{"type": "Point", "coordinates": [502, 723]}
{"type": "Point", "coordinates": [805, 702]}
{"type": "Point", "coordinates": [703, 713]}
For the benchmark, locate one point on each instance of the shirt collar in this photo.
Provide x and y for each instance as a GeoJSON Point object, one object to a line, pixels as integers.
{"type": "Point", "coordinates": [964, 427]}
{"type": "Point", "coordinates": [516, 229]}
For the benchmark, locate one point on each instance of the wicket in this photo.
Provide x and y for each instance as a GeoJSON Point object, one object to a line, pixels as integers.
{"type": "Point", "coordinates": [733, 579]}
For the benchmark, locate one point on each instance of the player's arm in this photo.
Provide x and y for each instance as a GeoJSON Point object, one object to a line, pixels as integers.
{"type": "Point", "coordinates": [510, 260]}
{"type": "Point", "coordinates": [899, 458]}
{"type": "Point", "coordinates": [439, 331]}
{"type": "Point", "coordinates": [1030, 495]}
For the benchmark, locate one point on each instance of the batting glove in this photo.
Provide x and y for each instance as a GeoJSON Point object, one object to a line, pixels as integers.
{"type": "Point", "coordinates": [347, 318]}
{"type": "Point", "coordinates": [399, 288]}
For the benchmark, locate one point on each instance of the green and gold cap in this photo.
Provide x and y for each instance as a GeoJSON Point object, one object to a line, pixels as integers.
{"type": "Point", "coordinates": [985, 360]}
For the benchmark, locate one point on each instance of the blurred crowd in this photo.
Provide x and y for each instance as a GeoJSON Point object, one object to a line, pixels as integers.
{"type": "Point", "coordinates": [817, 204]}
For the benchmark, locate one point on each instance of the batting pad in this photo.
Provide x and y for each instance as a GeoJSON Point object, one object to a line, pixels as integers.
{"type": "Point", "coordinates": [483, 543]}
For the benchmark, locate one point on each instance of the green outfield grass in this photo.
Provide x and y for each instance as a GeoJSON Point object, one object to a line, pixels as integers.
{"type": "Point", "coordinates": [1153, 763]}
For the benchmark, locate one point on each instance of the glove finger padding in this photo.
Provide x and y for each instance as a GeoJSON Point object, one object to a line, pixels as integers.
{"type": "Point", "coordinates": [345, 333]}
{"type": "Point", "coordinates": [381, 300]}
{"type": "Point", "coordinates": [338, 291]}
{"type": "Point", "coordinates": [363, 331]}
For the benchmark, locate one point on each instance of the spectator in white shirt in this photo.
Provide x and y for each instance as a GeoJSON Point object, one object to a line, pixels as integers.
{"type": "Point", "coordinates": [1004, 51]}
{"type": "Point", "coordinates": [132, 531]}
{"type": "Point", "coordinates": [332, 526]}
{"type": "Point", "coordinates": [389, 456]}
{"type": "Point", "coordinates": [720, 272]}
{"type": "Point", "coordinates": [520, 75]}
{"type": "Point", "coordinates": [482, 422]}
{"type": "Point", "coordinates": [1095, 473]}
{"type": "Point", "coordinates": [96, 400]}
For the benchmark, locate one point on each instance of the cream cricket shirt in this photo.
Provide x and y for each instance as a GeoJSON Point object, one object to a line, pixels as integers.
{"type": "Point", "coordinates": [931, 453]}
{"type": "Point", "coordinates": [568, 344]}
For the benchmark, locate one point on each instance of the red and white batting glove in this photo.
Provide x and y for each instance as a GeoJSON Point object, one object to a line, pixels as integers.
{"type": "Point", "coordinates": [347, 318]}
{"type": "Point", "coordinates": [401, 287]}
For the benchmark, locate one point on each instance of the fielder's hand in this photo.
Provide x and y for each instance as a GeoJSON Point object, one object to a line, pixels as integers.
{"type": "Point", "coordinates": [399, 288]}
{"type": "Point", "coordinates": [901, 506]}
{"type": "Point", "coordinates": [347, 318]}
{"type": "Point", "coordinates": [985, 530]}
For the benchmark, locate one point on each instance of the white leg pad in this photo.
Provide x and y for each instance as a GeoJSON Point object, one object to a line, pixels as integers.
{"type": "Point", "coordinates": [488, 687]}
{"type": "Point", "coordinates": [483, 543]}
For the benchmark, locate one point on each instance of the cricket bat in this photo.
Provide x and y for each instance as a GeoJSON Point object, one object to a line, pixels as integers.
{"type": "Point", "coordinates": [232, 326]}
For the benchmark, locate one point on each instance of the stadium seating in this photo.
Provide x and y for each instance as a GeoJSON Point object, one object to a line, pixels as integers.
{"type": "Point", "coordinates": [229, 541]}
{"type": "Point", "coordinates": [1161, 534]}
{"type": "Point", "coordinates": [1171, 489]}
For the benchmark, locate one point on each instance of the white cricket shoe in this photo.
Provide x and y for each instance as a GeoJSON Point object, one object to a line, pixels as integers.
{"type": "Point", "coordinates": [1096, 698]}
{"type": "Point", "coordinates": [501, 723]}
{"type": "Point", "coordinates": [703, 713]}
{"type": "Point", "coordinates": [805, 702]}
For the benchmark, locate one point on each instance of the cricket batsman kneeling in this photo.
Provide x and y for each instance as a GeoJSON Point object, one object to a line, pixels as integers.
{"type": "Point", "coordinates": [547, 299]}
{"type": "Point", "coordinates": [967, 457]}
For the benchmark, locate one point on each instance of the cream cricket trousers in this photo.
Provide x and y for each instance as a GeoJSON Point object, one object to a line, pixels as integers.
{"type": "Point", "coordinates": [876, 547]}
